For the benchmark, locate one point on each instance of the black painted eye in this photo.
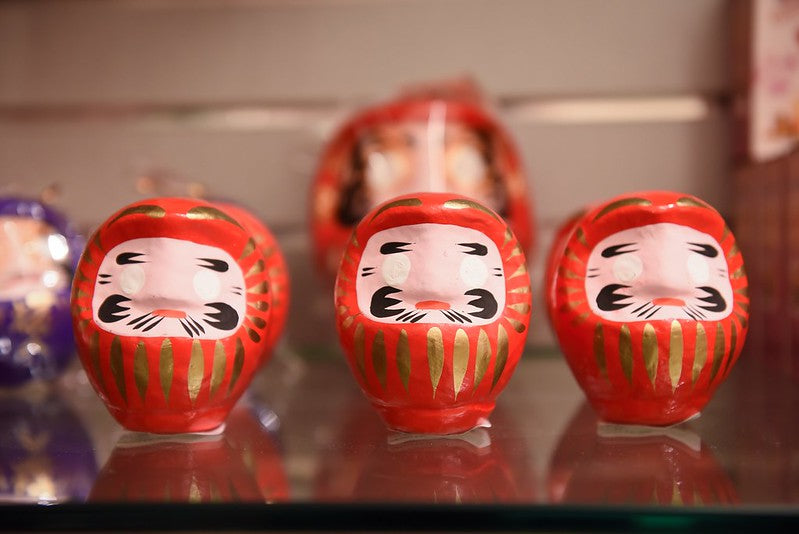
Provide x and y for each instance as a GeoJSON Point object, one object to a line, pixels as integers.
{"type": "Point", "coordinates": [475, 248]}
{"type": "Point", "coordinates": [394, 247]}
{"type": "Point", "coordinates": [219, 266]}
{"type": "Point", "coordinates": [714, 299]}
{"type": "Point", "coordinates": [127, 258]}
{"type": "Point", "coordinates": [225, 318]}
{"type": "Point", "coordinates": [485, 301]}
{"type": "Point", "coordinates": [111, 310]}
{"type": "Point", "coordinates": [704, 249]}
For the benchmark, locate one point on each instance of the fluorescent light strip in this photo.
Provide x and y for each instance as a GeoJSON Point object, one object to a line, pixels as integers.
{"type": "Point", "coordinates": [612, 110]}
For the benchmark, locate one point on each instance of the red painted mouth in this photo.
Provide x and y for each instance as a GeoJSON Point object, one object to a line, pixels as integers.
{"type": "Point", "coordinates": [432, 305]}
{"type": "Point", "coordinates": [668, 301]}
{"type": "Point", "coordinates": [170, 313]}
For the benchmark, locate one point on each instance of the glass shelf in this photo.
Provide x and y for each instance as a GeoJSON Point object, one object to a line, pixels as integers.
{"type": "Point", "coordinates": [304, 450]}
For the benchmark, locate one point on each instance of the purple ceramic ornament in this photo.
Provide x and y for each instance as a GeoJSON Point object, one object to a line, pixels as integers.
{"type": "Point", "coordinates": [39, 249]}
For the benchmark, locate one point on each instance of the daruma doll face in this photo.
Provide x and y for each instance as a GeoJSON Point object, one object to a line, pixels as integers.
{"type": "Point", "coordinates": [434, 301]}
{"type": "Point", "coordinates": [173, 312]}
{"type": "Point", "coordinates": [649, 303]}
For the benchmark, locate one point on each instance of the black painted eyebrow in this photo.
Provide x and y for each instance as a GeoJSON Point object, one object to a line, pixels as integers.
{"type": "Point", "coordinates": [705, 250]}
{"type": "Point", "coordinates": [219, 266]}
{"type": "Point", "coordinates": [476, 248]}
{"type": "Point", "coordinates": [129, 257]}
{"type": "Point", "coordinates": [616, 250]}
{"type": "Point", "coordinates": [394, 247]}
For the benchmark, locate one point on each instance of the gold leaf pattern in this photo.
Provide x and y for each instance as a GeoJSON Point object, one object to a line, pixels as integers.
{"type": "Point", "coordinates": [435, 356]}
{"type": "Point", "coordinates": [238, 365]}
{"type": "Point", "coordinates": [196, 370]}
{"type": "Point", "coordinates": [248, 249]}
{"type": "Point", "coordinates": [626, 352]}
{"type": "Point", "coordinates": [483, 358]}
{"type": "Point", "coordinates": [622, 203]}
{"type": "Point", "coordinates": [461, 203]}
{"type": "Point", "coordinates": [502, 355]}
{"type": "Point", "coordinates": [141, 371]}
{"type": "Point", "coordinates": [675, 353]}
{"type": "Point", "coordinates": [258, 267]}
{"type": "Point", "coordinates": [404, 359]}
{"type": "Point", "coordinates": [650, 352]}
{"type": "Point", "coordinates": [166, 368]}
{"type": "Point", "coordinates": [150, 210]}
{"type": "Point", "coordinates": [460, 360]}
{"type": "Point", "coordinates": [218, 367]}
{"type": "Point", "coordinates": [700, 352]}
{"type": "Point", "coordinates": [94, 354]}
{"type": "Point", "coordinates": [379, 357]}
{"type": "Point", "coordinates": [208, 213]}
{"type": "Point", "coordinates": [397, 203]}
{"type": "Point", "coordinates": [718, 352]}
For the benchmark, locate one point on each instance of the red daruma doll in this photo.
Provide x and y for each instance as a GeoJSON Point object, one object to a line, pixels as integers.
{"type": "Point", "coordinates": [433, 301]}
{"type": "Point", "coordinates": [648, 296]}
{"type": "Point", "coordinates": [173, 309]}
{"type": "Point", "coordinates": [421, 143]}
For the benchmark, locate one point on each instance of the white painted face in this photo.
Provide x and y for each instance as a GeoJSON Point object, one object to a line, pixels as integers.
{"type": "Point", "coordinates": [33, 256]}
{"type": "Point", "coordinates": [431, 273]}
{"type": "Point", "coordinates": [658, 271]}
{"type": "Point", "coordinates": [164, 287]}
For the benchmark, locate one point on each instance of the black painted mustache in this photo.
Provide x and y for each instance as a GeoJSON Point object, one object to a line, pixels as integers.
{"type": "Point", "coordinates": [609, 299]}
{"type": "Point", "coordinates": [382, 305]}
{"type": "Point", "coordinates": [224, 318]}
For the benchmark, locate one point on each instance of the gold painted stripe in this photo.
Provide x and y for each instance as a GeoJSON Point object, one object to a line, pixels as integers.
{"type": "Point", "coordinates": [700, 352]}
{"type": "Point", "coordinates": [404, 359]}
{"type": "Point", "coordinates": [569, 253]}
{"type": "Point", "coordinates": [255, 269]}
{"type": "Point", "coordinates": [354, 241]}
{"type": "Point", "coordinates": [568, 289]}
{"type": "Point", "coordinates": [739, 273]}
{"type": "Point", "coordinates": [360, 350]}
{"type": "Point", "coordinates": [166, 368]}
{"type": "Point", "coordinates": [218, 367]}
{"type": "Point", "coordinates": [626, 352]}
{"type": "Point", "coordinates": [744, 306]}
{"type": "Point", "coordinates": [461, 203]}
{"type": "Point", "coordinates": [517, 250]}
{"type": "Point", "coordinates": [523, 289]}
{"type": "Point", "coordinates": [508, 237]}
{"type": "Point", "coordinates": [379, 357]}
{"type": "Point", "coordinates": [257, 321]}
{"type": "Point", "coordinates": [263, 287]}
{"type": "Point", "coordinates": [397, 203]}
{"type": "Point", "coordinates": [520, 271]}
{"type": "Point", "coordinates": [741, 319]}
{"type": "Point", "coordinates": [248, 249]}
{"type": "Point", "coordinates": [253, 335]}
{"type": "Point", "coordinates": [581, 237]}
{"type": "Point", "coordinates": [522, 307]}
{"type": "Point", "coordinates": [502, 355]}
{"type": "Point", "coordinates": [196, 370]}
{"type": "Point", "coordinates": [568, 273]}
{"type": "Point", "coordinates": [349, 259]}
{"type": "Point", "coordinates": [718, 352]}
{"type": "Point", "coordinates": [574, 304]}
{"type": "Point", "coordinates": [342, 310]}
{"type": "Point", "coordinates": [650, 352]}
{"type": "Point", "coordinates": [238, 365]}
{"type": "Point", "coordinates": [743, 291]}
{"type": "Point", "coordinates": [460, 360]}
{"type": "Point", "coordinates": [97, 243]}
{"type": "Point", "coordinates": [81, 293]}
{"type": "Point", "coordinates": [80, 277]}
{"type": "Point", "coordinates": [599, 350]}
{"type": "Point", "coordinates": [150, 210]}
{"type": "Point", "coordinates": [693, 202]}
{"type": "Point", "coordinates": [435, 356]}
{"type": "Point", "coordinates": [117, 367]}
{"type": "Point", "coordinates": [675, 353]}
{"type": "Point", "coordinates": [209, 213]}
{"type": "Point", "coordinates": [581, 318]}
{"type": "Point", "coordinates": [517, 325]}
{"type": "Point", "coordinates": [483, 357]}
{"type": "Point", "coordinates": [260, 305]}
{"type": "Point", "coordinates": [141, 371]}
{"type": "Point", "coordinates": [348, 321]}
{"type": "Point", "coordinates": [734, 250]}
{"type": "Point", "coordinates": [725, 233]}
{"type": "Point", "coordinates": [624, 202]}
{"type": "Point", "coordinates": [94, 353]}
{"type": "Point", "coordinates": [733, 342]}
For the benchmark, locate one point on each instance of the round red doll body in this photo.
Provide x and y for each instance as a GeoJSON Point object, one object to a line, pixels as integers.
{"type": "Point", "coordinates": [415, 144]}
{"type": "Point", "coordinates": [433, 301]}
{"type": "Point", "coordinates": [172, 309]}
{"type": "Point", "coordinates": [649, 300]}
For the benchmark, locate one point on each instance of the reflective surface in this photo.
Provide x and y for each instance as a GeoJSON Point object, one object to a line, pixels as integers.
{"type": "Point", "coordinates": [304, 438]}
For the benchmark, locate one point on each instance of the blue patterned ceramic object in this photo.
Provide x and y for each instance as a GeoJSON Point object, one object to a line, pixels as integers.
{"type": "Point", "coordinates": [39, 249]}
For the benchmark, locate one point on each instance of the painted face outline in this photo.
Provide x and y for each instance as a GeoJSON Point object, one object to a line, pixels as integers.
{"type": "Point", "coordinates": [444, 274]}
{"type": "Point", "coordinates": [658, 271]}
{"type": "Point", "coordinates": [167, 287]}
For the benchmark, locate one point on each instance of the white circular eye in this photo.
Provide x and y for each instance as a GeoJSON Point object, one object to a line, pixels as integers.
{"type": "Point", "coordinates": [698, 269]}
{"type": "Point", "coordinates": [206, 284]}
{"type": "Point", "coordinates": [395, 269]}
{"type": "Point", "coordinates": [131, 280]}
{"type": "Point", "coordinates": [627, 268]}
{"type": "Point", "coordinates": [473, 271]}
{"type": "Point", "coordinates": [467, 165]}
{"type": "Point", "coordinates": [383, 169]}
